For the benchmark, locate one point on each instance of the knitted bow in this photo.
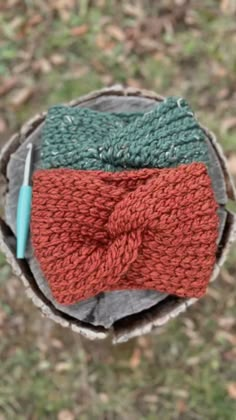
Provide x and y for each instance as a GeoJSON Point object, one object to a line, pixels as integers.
{"type": "Point", "coordinates": [95, 231]}
{"type": "Point", "coordinates": [164, 137]}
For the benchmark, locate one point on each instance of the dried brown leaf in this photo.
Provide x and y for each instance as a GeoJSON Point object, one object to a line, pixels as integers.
{"type": "Point", "coordinates": [231, 338]}
{"type": "Point", "coordinates": [44, 365]}
{"type": "Point", "coordinates": [150, 399]}
{"type": "Point", "coordinates": [228, 7]}
{"type": "Point", "coordinates": [231, 388]}
{"type": "Point", "coordinates": [3, 125]}
{"type": "Point", "coordinates": [148, 44]}
{"type": "Point", "coordinates": [64, 8]}
{"type": "Point", "coordinates": [227, 322]}
{"type": "Point", "coordinates": [218, 70]}
{"type": "Point", "coordinates": [101, 41]}
{"type": "Point", "coordinates": [230, 355]}
{"type": "Point", "coordinates": [79, 30]}
{"type": "Point", "coordinates": [35, 20]}
{"type": "Point", "coordinates": [232, 164]}
{"type": "Point", "coordinates": [42, 66]}
{"type": "Point", "coordinates": [181, 393]}
{"type": "Point", "coordinates": [57, 344]}
{"type": "Point", "coordinates": [228, 124]}
{"type": "Point", "coordinates": [134, 83]}
{"type": "Point", "coordinates": [57, 59]}
{"type": "Point", "coordinates": [181, 406]}
{"type": "Point", "coordinates": [104, 43]}
{"type": "Point", "coordinates": [21, 96]}
{"type": "Point", "coordinates": [135, 359]}
{"type": "Point", "coordinates": [104, 397]}
{"type": "Point", "coordinates": [193, 361]}
{"type": "Point", "coordinates": [3, 316]}
{"type": "Point", "coordinates": [227, 277]}
{"type": "Point", "coordinates": [77, 73]}
{"type": "Point", "coordinates": [101, 3]}
{"type": "Point", "coordinates": [64, 4]}
{"type": "Point", "coordinates": [21, 67]}
{"type": "Point", "coordinates": [98, 65]}
{"type": "Point", "coordinates": [223, 93]}
{"type": "Point", "coordinates": [107, 79]}
{"type": "Point", "coordinates": [214, 294]}
{"type": "Point", "coordinates": [144, 342]}
{"type": "Point", "coordinates": [180, 2]}
{"type": "Point", "coordinates": [116, 32]}
{"type": "Point", "coordinates": [7, 85]}
{"type": "Point", "coordinates": [133, 10]}
{"type": "Point", "coordinates": [65, 415]}
{"type": "Point", "coordinates": [17, 22]}
{"type": "Point", "coordinates": [63, 367]}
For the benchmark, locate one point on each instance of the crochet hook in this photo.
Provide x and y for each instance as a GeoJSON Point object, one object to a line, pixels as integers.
{"type": "Point", "coordinates": [24, 207]}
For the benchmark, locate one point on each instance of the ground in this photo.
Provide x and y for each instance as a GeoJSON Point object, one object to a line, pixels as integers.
{"type": "Point", "coordinates": [55, 51]}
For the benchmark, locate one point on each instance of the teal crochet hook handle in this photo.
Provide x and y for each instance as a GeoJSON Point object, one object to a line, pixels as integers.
{"type": "Point", "coordinates": [24, 208]}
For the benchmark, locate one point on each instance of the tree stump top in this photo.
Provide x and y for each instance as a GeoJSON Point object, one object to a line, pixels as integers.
{"type": "Point", "coordinates": [123, 313]}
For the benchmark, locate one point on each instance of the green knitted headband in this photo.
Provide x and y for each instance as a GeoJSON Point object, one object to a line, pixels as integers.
{"type": "Point", "coordinates": [80, 138]}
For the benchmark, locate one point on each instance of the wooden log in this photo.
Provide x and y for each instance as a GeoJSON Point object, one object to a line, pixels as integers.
{"type": "Point", "coordinates": [124, 313]}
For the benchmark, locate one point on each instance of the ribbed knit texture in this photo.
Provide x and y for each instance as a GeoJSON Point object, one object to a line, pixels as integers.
{"type": "Point", "coordinates": [80, 138]}
{"type": "Point", "coordinates": [96, 231]}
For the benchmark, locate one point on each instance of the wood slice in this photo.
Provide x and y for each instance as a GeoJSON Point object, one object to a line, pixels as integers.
{"type": "Point", "coordinates": [125, 313]}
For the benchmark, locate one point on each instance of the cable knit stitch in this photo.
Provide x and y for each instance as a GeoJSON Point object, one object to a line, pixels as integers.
{"type": "Point", "coordinates": [81, 138]}
{"type": "Point", "coordinates": [95, 231]}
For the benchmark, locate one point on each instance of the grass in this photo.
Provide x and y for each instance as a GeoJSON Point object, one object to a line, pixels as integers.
{"type": "Point", "coordinates": [47, 370]}
{"type": "Point", "coordinates": [186, 371]}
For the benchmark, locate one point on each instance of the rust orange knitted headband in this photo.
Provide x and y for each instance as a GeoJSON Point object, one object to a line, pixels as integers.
{"type": "Point", "coordinates": [95, 231]}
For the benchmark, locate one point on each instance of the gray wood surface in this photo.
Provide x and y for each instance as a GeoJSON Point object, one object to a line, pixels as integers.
{"type": "Point", "coordinates": [106, 308]}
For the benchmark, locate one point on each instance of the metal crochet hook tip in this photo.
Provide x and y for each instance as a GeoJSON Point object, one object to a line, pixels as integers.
{"type": "Point", "coordinates": [28, 162]}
